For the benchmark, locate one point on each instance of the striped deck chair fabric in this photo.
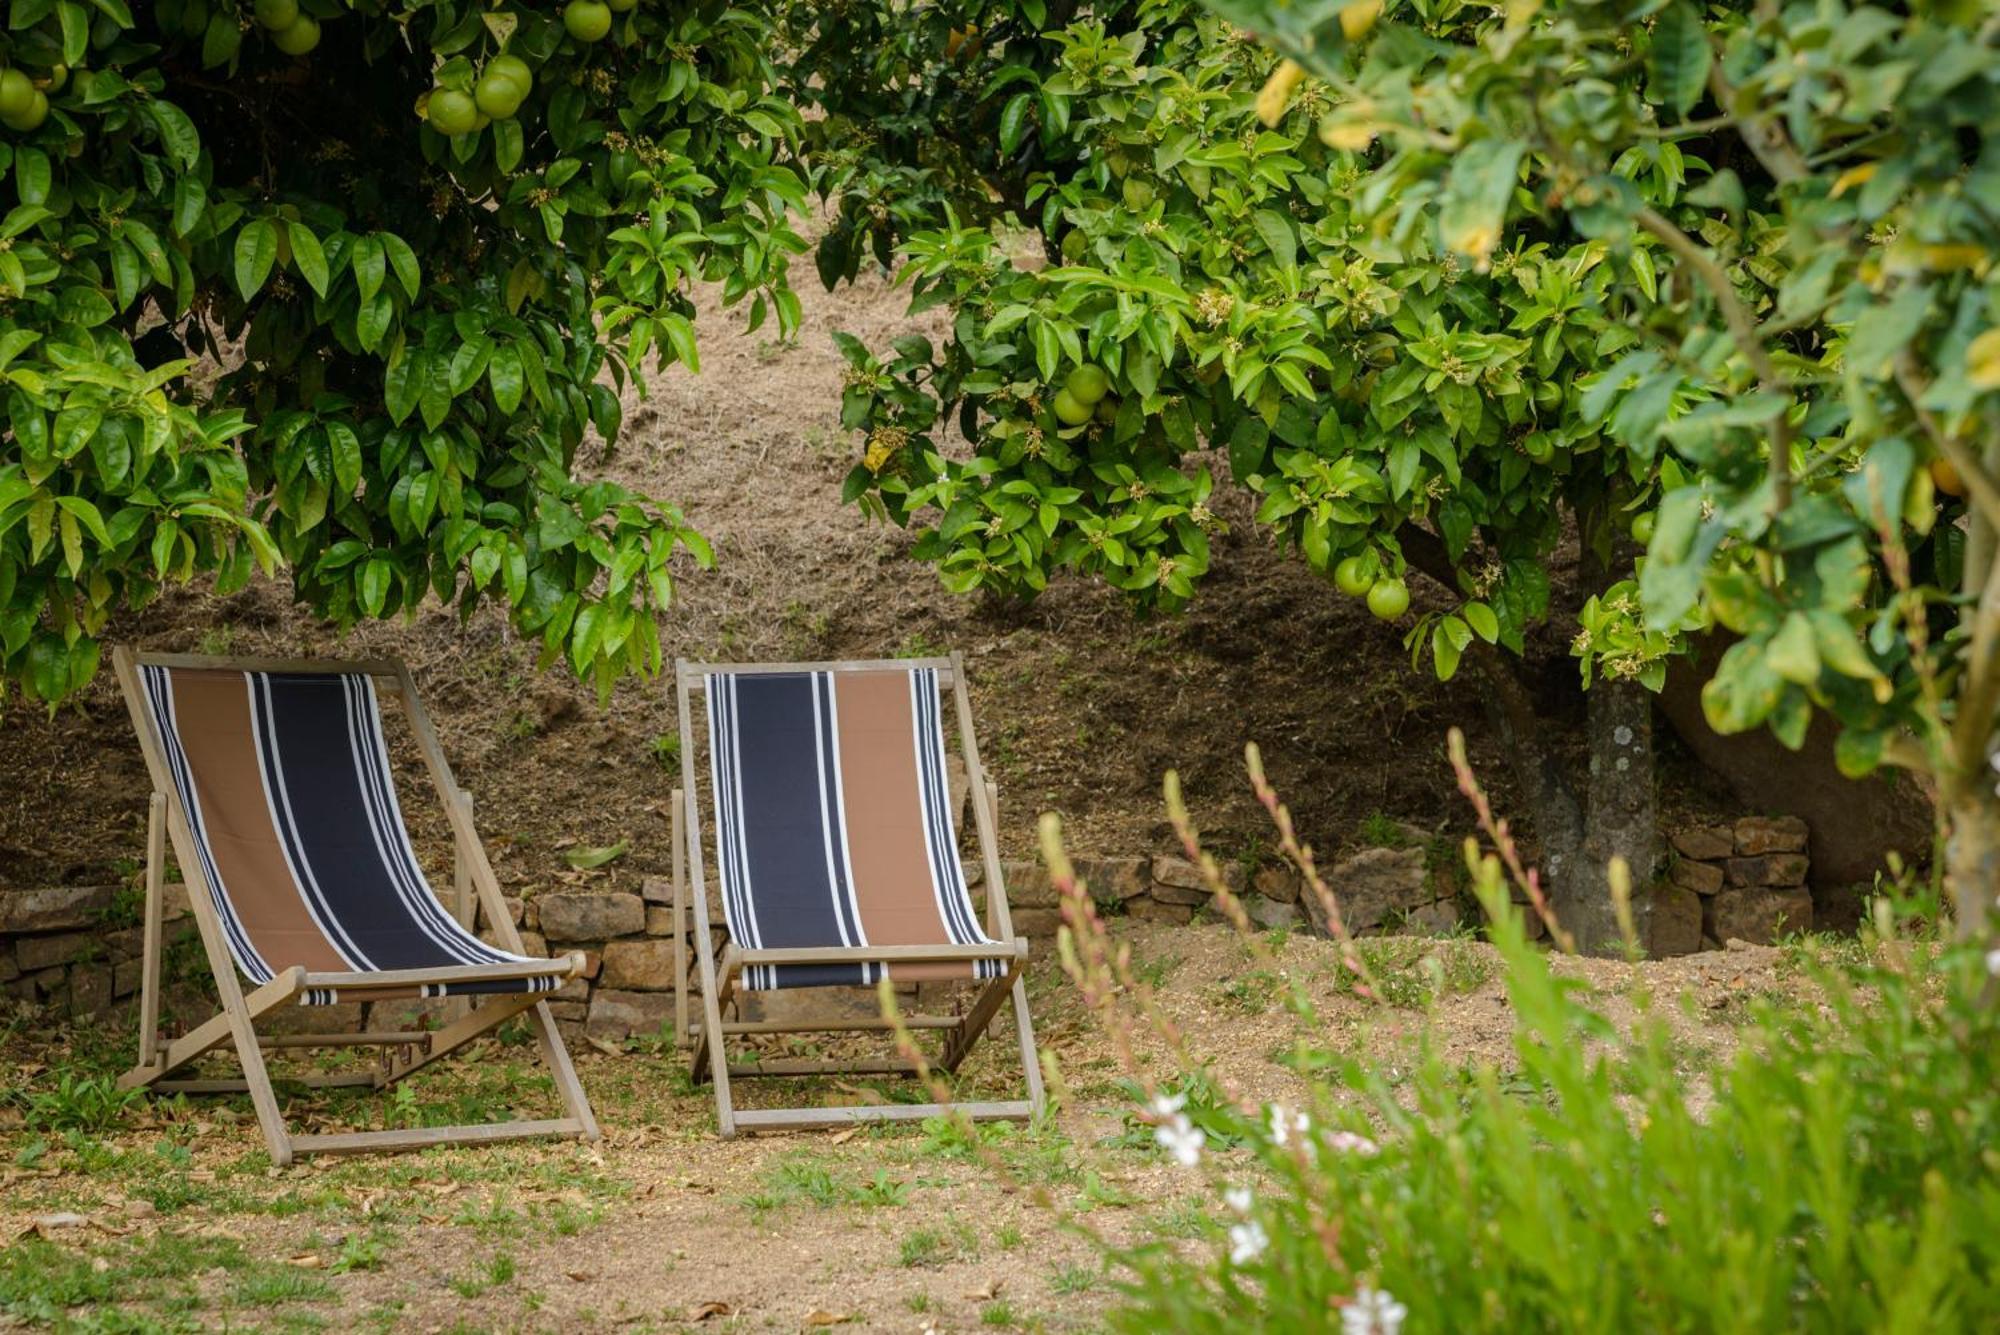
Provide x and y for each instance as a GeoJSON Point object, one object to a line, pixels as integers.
{"type": "Point", "coordinates": [285, 781]}
{"type": "Point", "coordinates": [834, 823]}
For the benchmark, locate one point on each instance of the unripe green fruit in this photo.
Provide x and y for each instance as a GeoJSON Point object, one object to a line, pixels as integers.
{"type": "Point", "coordinates": [32, 116]}
{"type": "Point", "coordinates": [1355, 575]}
{"type": "Point", "coordinates": [17, 94]}
{"type": "Point", "coordinates": [276, 15]}
{"type": "Point", "coordinates": [1389, 599]}
{"type": "Point", "coordinates": [498, 96]}
{"type": "Point", "coordinates": [298, 39]}
{"type": "Point", "coordinates": [1088, 383]}
{"type": "Point", "coordinates": [451, 112]}
{"type": "Point", "coordinates": [514, 69]}
{"type": "Point", "coordinates": [1068, 411]}
{"type": "Point", "coordinates": [58, 76]}
{"type": "Point", "coordinates": [587, 20]}
{"type": "Point", "coordinates": [1642, 526]}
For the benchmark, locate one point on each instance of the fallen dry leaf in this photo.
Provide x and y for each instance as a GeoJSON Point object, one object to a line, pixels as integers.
{"type": "Point", "coordinates": [580, 1276]}
{"type": "Point", "coordinates": [842, 1137]}
{"type": "Point", "coordinates": [306, 1261]}
{"type": "Point", "coordinates": [707, 1310]}
{"type": "Point", "coordinates": [819, 1318]}
{"type": "Point", "coordinates": [986, 1294]}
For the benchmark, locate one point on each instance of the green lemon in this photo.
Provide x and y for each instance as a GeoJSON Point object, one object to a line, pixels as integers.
{"type": "Point", "coordinates": [1539, 448]}
{"type": "Point", "coordinates": [1088, 383]}
{"type": "Point", "coordinates": [1642, 526]}
{"type": "Point", "coordinates": [1068, 411]}
{"type": "Point", "coordinates": [497, 95]}
{"type": "Point", "coordinates": [587, 20]}
{"type": "Point", "coordinates": [58, 76]}
{"type": "Point", "coordinates": [298, 39]}
{"type": "Point", "coordinates": [1355, 575]}
{"type": "Point", "coordinates": [30, 119]}
{"type": "Point", "coordinates": [514, 69]}
{"type": "Point", "coordinates": [1389, 599]}
{"type": "Point", "coordinates": [276, 15]}
{"type": "Point", "coordinates": [17, 94]}
{"type": "Point", "coordinates": [451, 112]}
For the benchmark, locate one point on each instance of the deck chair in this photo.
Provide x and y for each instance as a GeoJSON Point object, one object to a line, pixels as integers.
{"type": "Point", "coordinates": [272, 781]}
{"type": "Point", "coordinates": [838, 863]}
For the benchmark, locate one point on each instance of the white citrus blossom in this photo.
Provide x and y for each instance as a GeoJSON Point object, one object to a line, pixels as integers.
{"type": "Point", "coordinates": [1372, 1312]}
{"type": "Point", "coordinates": [1349, 1142]}
{"type": "Point", "coordinates": [1247, 1242]}
{"type": "Point", "coordinates": [1182, 1139]}
{"type": "Point", "coordinates": [1993, 962]}
{"type": "Point", "coordinates": [1238, 1199]}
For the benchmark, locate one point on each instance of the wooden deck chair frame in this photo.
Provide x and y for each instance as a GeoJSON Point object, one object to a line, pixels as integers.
{"type": "Point", "coordinates": [707, 1036]}
{"type": "Point", "coordinates": [403, 1052]}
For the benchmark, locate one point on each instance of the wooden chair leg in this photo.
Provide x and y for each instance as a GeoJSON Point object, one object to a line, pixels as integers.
{"type": "Point", "coordinates": [970, 1029]}
{"type": "Point", "coordinates": [713, 1045]}
{"type": "Point", "coordinates": [1031, 1060]}
{"type": "Point", "coordinates": [679, 851]}
{"type": "Point", "coordinates": [556, 1053]}
{"type": "Point", "coordinates": [156, 890]}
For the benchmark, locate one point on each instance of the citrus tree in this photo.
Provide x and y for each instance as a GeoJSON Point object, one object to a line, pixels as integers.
{"type": "Point", "coordinates": [1233, 272]}
{"type": "Point", "coordinates": [1823, 355]}
{"type": "Point", "coordinates": [347, 289]}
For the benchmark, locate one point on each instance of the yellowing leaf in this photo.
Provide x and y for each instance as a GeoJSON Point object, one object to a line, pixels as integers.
{"type": "Point", "coordinates": [1276, 94]}
{"type": "Point", "coordinates": [1349, 135]}
{"type": "Point", "coordinates": [1982, 360]}
{"type": "Point", "coordinates": [1357, 18]}
{"type": "Point", "coordinates": [584, 859]}
{"type": "Point", "coordinates": [1852, 177]}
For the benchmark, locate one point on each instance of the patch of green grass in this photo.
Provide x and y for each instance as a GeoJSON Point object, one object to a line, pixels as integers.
{"type": "Point", "coordinates": [1251, 993]}
{"type": "Point", "coordinates": [498, 1270]}
{"type": "Point", "coordinates": [88, 1103]}
{"type": "Point", "coordinates": [998, 1313]}
{"type": "Point", "coordinates": [666, 751]}
{"type": "Point", "coordinates": [1381, 830]}
{"type": "Point", "coordinates": [924, 1247]}
{"type": "Point", "coordinates": [801, 1179]}
{"type": "Point", "coordinates": [1009, 1237]}
{"type": "Point", "coordinates": [1183, 1220]}
{"type": "Point", "coordinates": [1073, 1278]}
{"type": "Point", "coordinates": [272, 1284]}
{"type": "Point", "coordinates": [918, 1302]}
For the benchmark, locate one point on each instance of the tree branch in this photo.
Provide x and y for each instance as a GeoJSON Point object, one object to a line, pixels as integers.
{"type": "Point", "coordinates": [1760, 131]}
{"type": "Point", "coordinates": [1743, 329]}
{"type": "Point", "coordinates": [1984, 490]}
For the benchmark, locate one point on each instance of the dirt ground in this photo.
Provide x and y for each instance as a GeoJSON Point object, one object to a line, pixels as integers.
{"type": "Point", "coordinates": [169, 1216]}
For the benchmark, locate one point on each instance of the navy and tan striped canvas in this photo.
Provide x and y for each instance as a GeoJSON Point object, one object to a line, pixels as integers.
{"type": "Point", "coordinates": [285, 781]}
{"type": "Point", "coordinates": [834, 821]}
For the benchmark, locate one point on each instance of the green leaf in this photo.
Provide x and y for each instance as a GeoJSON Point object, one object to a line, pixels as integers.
{"type": "Point", "coordinates": [307, 256]}
{"type": "Point", "coordinates": [1276, 229]}
{"type": "Point", "coordinates": [587, 859]}
{"type": "Point", "coordinates": [404, 261]}
{"type": "Point", "coordinates": [1679, 58]}
{"type": "Point", "coordinates": [256, 251]}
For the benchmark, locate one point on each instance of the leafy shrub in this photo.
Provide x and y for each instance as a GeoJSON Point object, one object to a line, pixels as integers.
{"type": "Point", "coordinates": [1839, 1172]}
{"type": "Point", "coordinates": [88, 1103]}
{"type": "Point", "coordinates": [258, 309]}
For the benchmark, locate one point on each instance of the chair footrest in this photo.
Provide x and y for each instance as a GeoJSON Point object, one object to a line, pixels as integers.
{"type": "Point", "coordinates": [424, 1137]}
{"type": "Point", "coordinates": [564, 967]}
{"type": "Point", "coordinates": [788, 1119]}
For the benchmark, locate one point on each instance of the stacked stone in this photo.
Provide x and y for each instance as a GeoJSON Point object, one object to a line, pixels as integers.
{"type": "Point", "coordinates": [58, 951]}
{"type": "Point", "coordinates": [1750, 878]}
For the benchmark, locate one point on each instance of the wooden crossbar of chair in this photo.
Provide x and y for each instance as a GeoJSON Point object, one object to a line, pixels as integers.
{"type": "Point", "coordinates": [706, 1035]}
{"type": "Point", "coordinates": [403, 1053]}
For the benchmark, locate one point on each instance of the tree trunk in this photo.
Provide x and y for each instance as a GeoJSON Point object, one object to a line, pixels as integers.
{"type": "Point", "coordinates": [1621, 821]}
{"type": "Point", "coordinates": [1614, 818]}
{"type": "Point", "coordinates": [1972, 855]}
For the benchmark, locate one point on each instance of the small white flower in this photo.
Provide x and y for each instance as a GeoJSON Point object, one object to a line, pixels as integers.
{"type": "Point", "coordinates": [1348, 1142]}
{"type": "Point", "coordinates": [1247, 1242]}
{"type": "Point", "coordinates": [1372, 1312]}
{"type": "Point", "coordinates": [1993, 962]}
{"type": "Point", "coordinates": [1182, 1139]}
{"type": "Point", "coordinates": [1238, 1199]}
{"type": "Point", "coordinates": [1166, 1105]}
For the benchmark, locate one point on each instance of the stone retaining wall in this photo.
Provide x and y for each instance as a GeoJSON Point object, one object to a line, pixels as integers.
{"type": "Point", "coordinates": [1743, 881]}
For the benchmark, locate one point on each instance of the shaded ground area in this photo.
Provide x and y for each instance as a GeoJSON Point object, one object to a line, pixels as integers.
{"type": "Point", "coordinates": [168, 1215]}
